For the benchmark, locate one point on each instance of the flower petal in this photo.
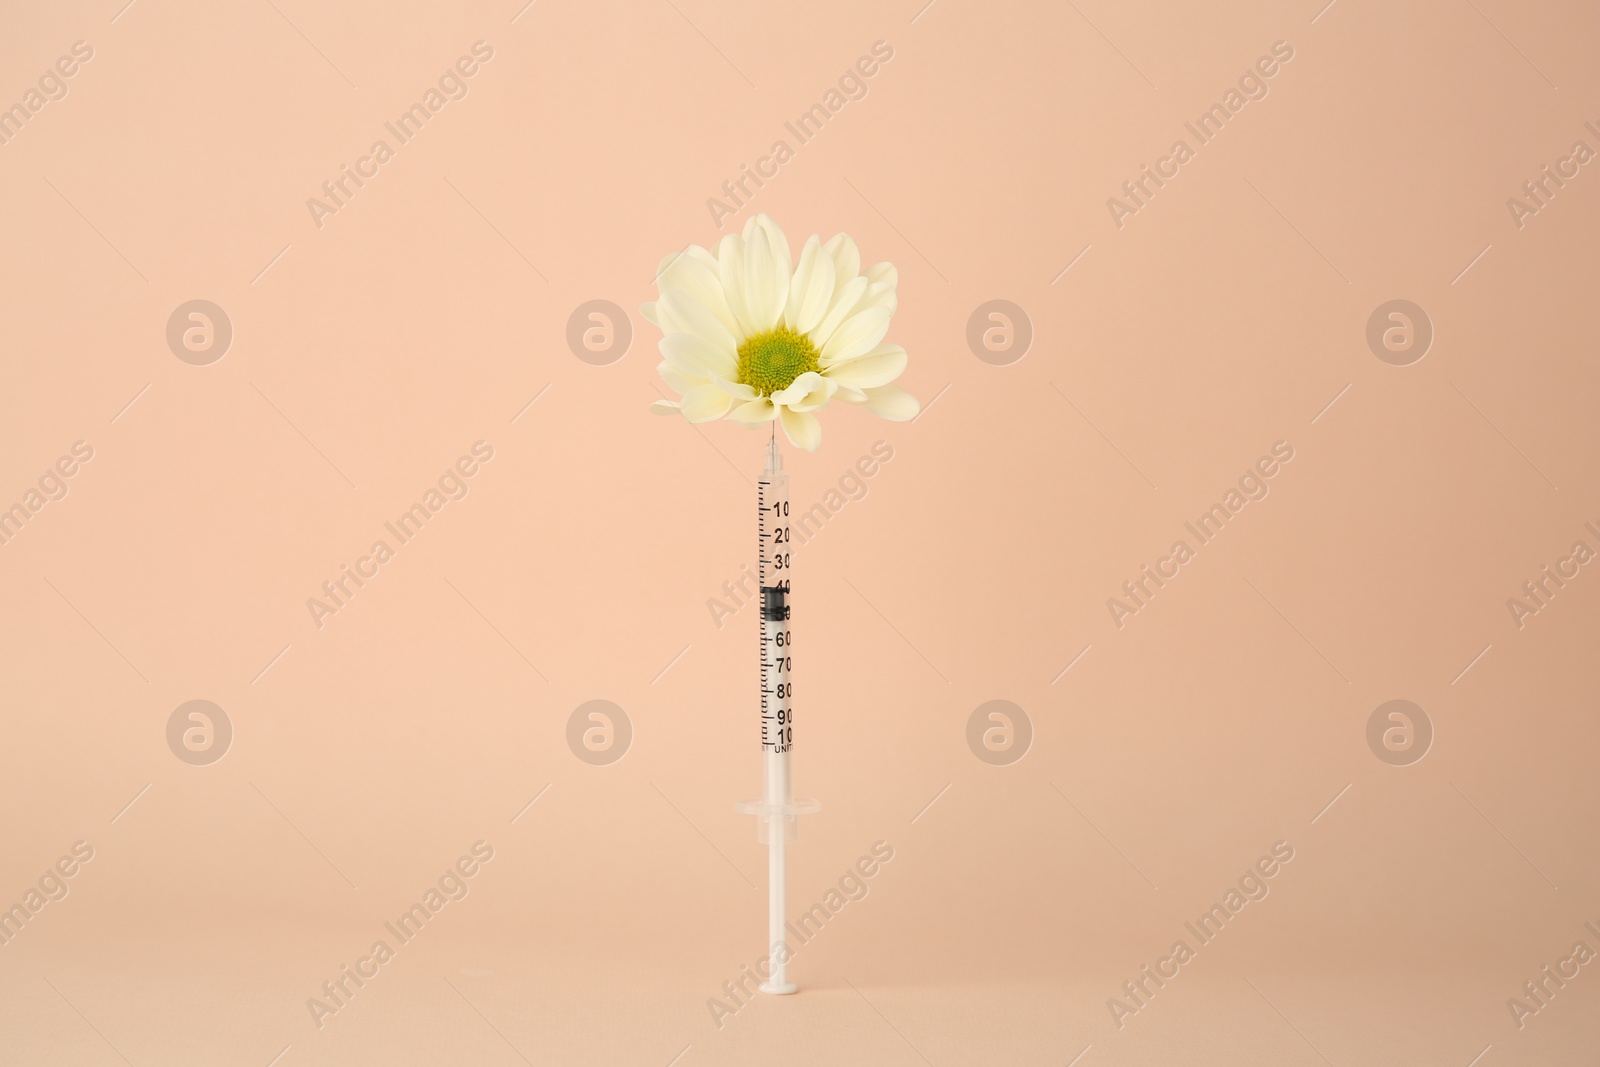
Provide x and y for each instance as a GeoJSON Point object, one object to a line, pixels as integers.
{"type": "Point", "coordinates": [775, 239]}
{"type": "Point", "coordinates": [696, 275]}
{"type": "Point", "coordinates": [754, 413]}
{"type": "Point", "coordinates": [681, 313]}
{"type": "Point", "coordinates": [664, 407]}
{"type": "Point", "coordinates": [704, 403]}
{"type": "Point", "coordinates": [844, 301]}
{"type": "Point", "coordinates": [797, 389]}
{"type": "Point", "coordinates": [879, 367]}
{"type": "Point", "coordinates": [891, 402]}
{"type": "Point", "coordinates": [695, 355]}
{"type": "Point", "coordinates": [677, 380]}
{"type": "Point", "coordinates": [802, 428]}
{"type": "Point", "coordinates": [877, 294]}
{"type": "Point", "coordinates": [766, 282]}
{"type": "Point", "coordinates": [808, 392]}
{"type": "Point", "coordinates": [648, 310]}
{"type": "Point", "coordinates": [737, 390]}
{"type": "Point", "coordinates": [846, 257]}
{"type": "Point", "coordinates": [730, 268]}
{"type": "Point", "coordinates": [857, 335]}
{"type": "Point", "coordinates": [708, 258]}
{"type": "Point", "coordinates": [811, 288]}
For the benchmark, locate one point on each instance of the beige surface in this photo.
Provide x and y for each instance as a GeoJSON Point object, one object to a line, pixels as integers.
{"type": "Point", "coordinates": [370, 352]}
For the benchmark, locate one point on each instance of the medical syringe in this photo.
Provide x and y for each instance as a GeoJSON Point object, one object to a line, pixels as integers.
{"type": "Point", "coordinates": [776, 813]}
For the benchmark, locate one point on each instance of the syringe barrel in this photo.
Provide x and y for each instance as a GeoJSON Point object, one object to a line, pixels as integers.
{"type": "Point", "coordinates": [777, 637]}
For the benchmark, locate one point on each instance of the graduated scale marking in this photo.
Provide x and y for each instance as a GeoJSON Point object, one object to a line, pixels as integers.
{"type": "Point", "coordinates": [777, 688]}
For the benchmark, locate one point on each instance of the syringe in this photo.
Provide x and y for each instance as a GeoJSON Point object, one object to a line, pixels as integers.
{"type": "Point", "coordinates": [776, 813]}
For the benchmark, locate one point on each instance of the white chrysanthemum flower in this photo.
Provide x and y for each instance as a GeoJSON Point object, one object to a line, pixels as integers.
{"type": "Point", "coordinates": [748, 337]}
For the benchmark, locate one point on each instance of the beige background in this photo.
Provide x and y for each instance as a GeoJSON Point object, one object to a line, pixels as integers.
{"type": "Point", "coordinates": [368, 354]}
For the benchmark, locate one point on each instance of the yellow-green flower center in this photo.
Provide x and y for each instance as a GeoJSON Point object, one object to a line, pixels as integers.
{"type": "Point", "coordinates": [770, 362]}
